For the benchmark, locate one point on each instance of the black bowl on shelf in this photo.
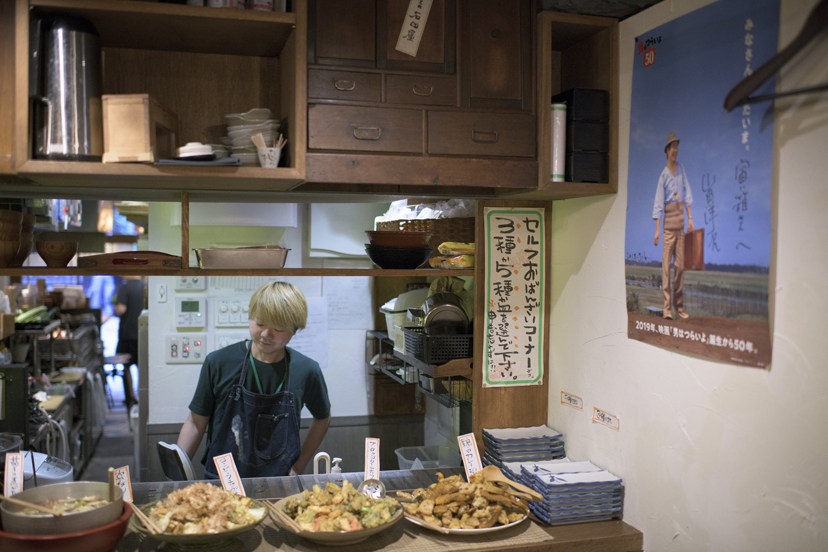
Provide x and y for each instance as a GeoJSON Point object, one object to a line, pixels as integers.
{"type": "Point", "coordinates": [400, 258]}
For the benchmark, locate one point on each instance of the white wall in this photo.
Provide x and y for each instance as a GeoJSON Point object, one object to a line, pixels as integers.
{"type": "Point", "coordinates": [713, 456]}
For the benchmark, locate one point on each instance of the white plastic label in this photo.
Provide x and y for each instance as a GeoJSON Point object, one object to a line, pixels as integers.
{"type": "Point", "coordinates": [574, 401]}
{"type": "Point", "coordinates": [471, 456]}
{"type": "Point", "coordinates": [123, 481]}
{"type": "Point", "coordinates": [229, 475]}
{"type": "Point", "coordinates": [13, 478]}
{"type": "Point", "coordinates": [609, 420]}
{"type": "Point", "coordinates": [372, 459]}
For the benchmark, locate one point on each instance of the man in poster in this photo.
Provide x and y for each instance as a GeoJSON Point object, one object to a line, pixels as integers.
{"type": "Point", "coordinates": [672, 197]}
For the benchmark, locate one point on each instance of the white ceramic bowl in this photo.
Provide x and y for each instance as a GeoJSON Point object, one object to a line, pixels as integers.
{"type": "Point", "coordinates": [247, 159]}
{"type": "Point", "coordinates": [247, 141]}
{"type": "Point", "coordinates": [254, 115]}
{"type": "Point", "coordinates": [265, 124]}
{"type": "Point", "coordinates": [250, 132]}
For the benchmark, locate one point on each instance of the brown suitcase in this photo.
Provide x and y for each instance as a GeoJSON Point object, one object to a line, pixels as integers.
{"type": "Point", "coordinates": [694, 250]}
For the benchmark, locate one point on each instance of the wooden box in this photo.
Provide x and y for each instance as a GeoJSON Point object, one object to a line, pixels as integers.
{"type": "Point", "coordinates": [136, 128]}
{"type": "Point", "coordinates": [694, 250]}
{"type": "Point", "coordinates": [6, 325]}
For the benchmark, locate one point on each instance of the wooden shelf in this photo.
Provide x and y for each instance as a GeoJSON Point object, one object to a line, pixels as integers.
{"type": "Point", "coordinates": [70, 175]}
{"type": "Point", "coordinates": [179, 28]}
{"type": "Point", "coordinates": [375, 272]}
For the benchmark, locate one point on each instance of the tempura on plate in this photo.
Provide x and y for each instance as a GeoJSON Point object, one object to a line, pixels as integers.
{"type": "Point", "coordinates": [337, 508]}
{"type": "Point", "coordinates": [204, 508]}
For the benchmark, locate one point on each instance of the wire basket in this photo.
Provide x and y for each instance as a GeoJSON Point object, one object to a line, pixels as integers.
{"type": "Point", "coordinates": [445, 230]}
{"type": "Point", "coordinates": [436, 349]}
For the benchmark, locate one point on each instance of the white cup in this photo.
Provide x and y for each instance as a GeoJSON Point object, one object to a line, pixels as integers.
{"type": "Point", "coordinates": [269, 157]}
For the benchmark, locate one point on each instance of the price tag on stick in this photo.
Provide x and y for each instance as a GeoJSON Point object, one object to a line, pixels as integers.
{"type": "Point", "coordinates": [470, 454]}
{"type": "Point", "coordinates": [229, 474]}
{"type": "Point", "coordinates": [123, 481]}
{"type": "Point", "coordinates": [13, 478]}
{"type": "Point", "coordinates": [372, 458]}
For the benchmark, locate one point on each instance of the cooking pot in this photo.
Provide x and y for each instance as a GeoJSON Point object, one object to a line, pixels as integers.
{"type": "Point", "coordinates": [442, 313]}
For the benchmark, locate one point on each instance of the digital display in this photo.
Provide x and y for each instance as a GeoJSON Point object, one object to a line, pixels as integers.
{"type": "Point", "coordinates": [189, 306]}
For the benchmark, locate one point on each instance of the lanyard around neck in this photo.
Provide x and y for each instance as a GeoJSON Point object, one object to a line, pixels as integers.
{"type": "Point", "coordinates": [256, 374]}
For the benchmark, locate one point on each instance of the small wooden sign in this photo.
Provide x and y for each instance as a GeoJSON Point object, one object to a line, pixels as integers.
{"type": "Point", "coordinates": [123, 481]}
{"type": "Point", "coordinates": [372, 458]}
{"type": "Point", "coordinates": [13, 477]}
{"type": "Point", "coordinates": [413, 26]}
{"type": "Point", "coordinates": [470, 454]}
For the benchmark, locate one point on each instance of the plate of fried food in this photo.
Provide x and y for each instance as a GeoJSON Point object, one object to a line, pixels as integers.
{"type": "Point", "coordinates": [452, 506]}
{"type": "Point", "coordinates": [199, 514]}
{"type": "Point", "coordinates": [335, 515]}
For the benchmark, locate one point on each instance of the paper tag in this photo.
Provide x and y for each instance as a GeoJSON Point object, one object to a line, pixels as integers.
{"type": "Point", "coordinates": [574, 401]}
{"type": "Point", "coordinates": [123, 481]}
{"type": "Point", "coordinates": [606, 418]}
{"type": "Point", "coordinates": [413, 26]}
{"type": "Point", "coordinates": [372, 459]}
{"type": "Point", "coordinates": [471, 456]}
{"type": "Point", "coordinates": [13, 480]}
{"type": "Point", "coordinates": [229, 475]}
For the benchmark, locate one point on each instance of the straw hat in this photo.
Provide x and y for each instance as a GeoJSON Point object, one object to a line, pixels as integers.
{"type": "Point", "coordinates": [670, 139]}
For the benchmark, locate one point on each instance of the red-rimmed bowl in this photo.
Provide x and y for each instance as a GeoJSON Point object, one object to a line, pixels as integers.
{"type": "Point", "coordinates": [99, 539]}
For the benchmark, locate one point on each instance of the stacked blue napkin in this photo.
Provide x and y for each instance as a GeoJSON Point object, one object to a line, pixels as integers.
{"type": "Point", "coordinates": [573, 491]}
{"type": "Point", "coordinates": [521, 444]}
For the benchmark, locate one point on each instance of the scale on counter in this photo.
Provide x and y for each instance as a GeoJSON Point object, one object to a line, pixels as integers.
{"type": "Point", "coordinates": [48, 469]}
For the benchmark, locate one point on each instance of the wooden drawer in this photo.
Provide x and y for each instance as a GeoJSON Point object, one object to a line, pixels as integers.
{"type": "Point", "coordinates": [484, 134]}
{"type": "Point", "coordinates": [424, 90]}
{"type": "Point", "coordinates": [344, 85]}
{"type": "Point", "coordinates": [340, 127]}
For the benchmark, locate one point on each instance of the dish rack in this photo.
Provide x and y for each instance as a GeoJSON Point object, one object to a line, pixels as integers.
{"type": "Point", "coordinates": [437, 349]}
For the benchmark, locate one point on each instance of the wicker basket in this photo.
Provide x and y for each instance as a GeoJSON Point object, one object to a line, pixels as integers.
{"type": "Point", "coordinates": [445, 230]}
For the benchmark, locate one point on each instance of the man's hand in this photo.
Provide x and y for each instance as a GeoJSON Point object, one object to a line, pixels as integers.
{"type": "Point", "coordinates": [655, 239]}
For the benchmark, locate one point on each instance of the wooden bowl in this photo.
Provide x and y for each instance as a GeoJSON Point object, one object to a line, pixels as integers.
{"type": "Point", "coordinates": [394, 238]}
{"type": "Point", "coordinates": [29, 222]}
{"type": "Point", "coordinates": [8, 251]}
{"type": "Point", "coordinates": [26, 245]}
{"type": "Point", "coordinates": [56, 254]}
{"type": "Point", "coordinates": [11, 216]}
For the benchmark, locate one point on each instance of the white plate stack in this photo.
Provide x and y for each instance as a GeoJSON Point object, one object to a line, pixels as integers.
{"type": "Point", "coordinates": [522, 444]}
{"type": "Point", "coordinates": [241, 127]}
{"type": "Point", "coordinates": [573, 492]}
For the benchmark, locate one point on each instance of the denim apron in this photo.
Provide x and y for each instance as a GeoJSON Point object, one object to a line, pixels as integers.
{"type": "Point", "coordinates": [261, 431]}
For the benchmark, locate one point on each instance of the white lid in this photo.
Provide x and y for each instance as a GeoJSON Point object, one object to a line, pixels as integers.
{"type": "Point", "coordinates": [410, 299]}
{"type": "Point", "coordinates": [193, 149]}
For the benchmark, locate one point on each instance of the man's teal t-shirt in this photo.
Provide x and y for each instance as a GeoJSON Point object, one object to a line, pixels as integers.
{"type": "Point", "coordinates": [222, 369]}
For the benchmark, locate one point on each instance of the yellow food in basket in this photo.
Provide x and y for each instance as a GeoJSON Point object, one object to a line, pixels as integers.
{"type": "Point", "coordinates": [456, 248]}
{"type": "Point", "coordinates": [460, 261]}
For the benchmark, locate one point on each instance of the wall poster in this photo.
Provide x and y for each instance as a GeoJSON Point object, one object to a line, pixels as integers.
{"type": "Point", "coordinates": [698, 233]}
{"type": "Point", "coordinates": [515, 274]}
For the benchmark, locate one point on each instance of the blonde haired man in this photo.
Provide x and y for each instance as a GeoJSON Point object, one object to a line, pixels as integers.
{"type": "Point", "coordinates": [250, 394]}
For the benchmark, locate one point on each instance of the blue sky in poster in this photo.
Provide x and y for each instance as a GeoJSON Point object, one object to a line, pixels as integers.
{"type": "Point", "coordinates": [699, 58]}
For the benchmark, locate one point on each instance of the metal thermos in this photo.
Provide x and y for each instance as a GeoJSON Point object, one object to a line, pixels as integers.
{"type": "Point", "coordinates": [68, 117]}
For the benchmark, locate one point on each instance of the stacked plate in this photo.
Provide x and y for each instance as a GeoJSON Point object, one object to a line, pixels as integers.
{"type": "Point", "coordinates": [522, 444]}
{"type": "Point", "coordinates": [574, 492]}
{"type": "Point", "coordinates": [241, 127]}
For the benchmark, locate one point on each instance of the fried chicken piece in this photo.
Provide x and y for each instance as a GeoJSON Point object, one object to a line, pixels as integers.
{"type": "Point", "coordinates": [493, 517]}
{"type": "Point", "coordinates": [426, 507]}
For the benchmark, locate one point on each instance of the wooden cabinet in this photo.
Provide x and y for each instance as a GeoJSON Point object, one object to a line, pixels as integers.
{"type": "Point", "coordinates": [200, 63]}
{"type": "Point", "coordinates": [574, 51]}
{"type": "Point", "coordinates": [478, 123]}
{"type": "Point", "coordinates": [342, 33]}
{"type": "Point", "coordinates": [335, 127]}
{"type": "Point", "coordinates": [7, 10]}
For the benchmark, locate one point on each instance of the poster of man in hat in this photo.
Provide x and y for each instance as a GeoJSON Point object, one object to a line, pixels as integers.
{"type": "Point", "coordinates": [700, 177]}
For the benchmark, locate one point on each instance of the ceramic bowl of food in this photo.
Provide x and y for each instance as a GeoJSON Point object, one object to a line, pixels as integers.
{"type": "Point", "coordinates": [85, 505]}
{"type": "Point", "coordinates": [56, 254]}
{"type": "Point", "coordinates": [399, 239]}
{"type": "Point", "coordinates": [99, 539]}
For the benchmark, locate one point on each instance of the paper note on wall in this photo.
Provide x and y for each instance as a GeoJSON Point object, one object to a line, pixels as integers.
{"type": "Point", "coordinates": [515, 274]}
{"type": "Point", "coordinates": [413, 26]}
{"type": "Point", "coordinates": [349, 302]}
{"type": "Point", "coordinates": [313, 340]}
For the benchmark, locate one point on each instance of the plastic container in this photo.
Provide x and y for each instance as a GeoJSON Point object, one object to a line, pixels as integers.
{"type": "Point", "coordinates": [413, 458]}
{"type": "Point", "coordinates": [437, 349]}
{"type": "Point", "coordinates": [396, 314]}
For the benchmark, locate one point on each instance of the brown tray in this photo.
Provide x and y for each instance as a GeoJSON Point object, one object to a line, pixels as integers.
{"type": "Point", "coordinates": [131, 259]}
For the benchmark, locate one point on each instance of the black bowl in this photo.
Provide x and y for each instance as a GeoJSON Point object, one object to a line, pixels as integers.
{"type": "Point", "coordinates": [400, 258]}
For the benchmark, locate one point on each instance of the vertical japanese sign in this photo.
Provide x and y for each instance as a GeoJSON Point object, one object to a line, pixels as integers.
{"type": "Point", "coordinates": [123, 481]}
{"type": "Point", "coordinates": [413, 26]}
{"type": "Point", "coordinates": [471, 456]}
{"type": "Point", "coordinates": [515, 275]}
{"type": "Point", "coordinates": [13, 475]}
{"type": "Point", "coordinates": [229, 474]}
{"type": "Point", "coordinates": [698, 232]}
{"type": "Point", "coordinates": [372, 459]}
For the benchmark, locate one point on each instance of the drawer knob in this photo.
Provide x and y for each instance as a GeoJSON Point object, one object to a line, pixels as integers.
{"type": "Point", "coordinates": [344, 85]}
{"type": "Point", "coordinates": [366, 132]}
{"type": "Point", "coordinates": [484, 136]}
{"type": "Point", "coordinates": [423, 90]}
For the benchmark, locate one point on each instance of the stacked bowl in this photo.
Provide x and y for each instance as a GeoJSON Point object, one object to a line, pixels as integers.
{"type": "Point", "coordinates": [10, 229]}
{"type": "Point", "coordinates": [398, 250]}
{"type": "Point", "coordinates": [241, 127]}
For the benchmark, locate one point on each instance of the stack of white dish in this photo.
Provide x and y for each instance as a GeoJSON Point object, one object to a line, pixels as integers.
{"type": "Point", "coordinates": [241, 127]}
